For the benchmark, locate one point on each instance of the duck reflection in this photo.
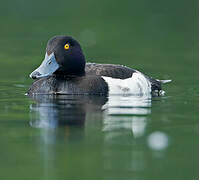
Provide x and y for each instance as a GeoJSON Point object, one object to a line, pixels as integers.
{"type": "Point", "coordinates": [52, 111]}
{"type": "Point", "coordinates": [125, 123]}
{"type": "Point", "coordinates": [127, 112]}
{"type": "Point", "coordinates": [121, 119]}
{"type": "Point", "coordinates": [118, 112]}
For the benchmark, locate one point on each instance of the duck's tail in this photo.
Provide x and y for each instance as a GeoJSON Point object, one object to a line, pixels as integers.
{"type": "Point", "coordinates": [164, 81]}
{"type": "Point", "coordinates": [157, 87]}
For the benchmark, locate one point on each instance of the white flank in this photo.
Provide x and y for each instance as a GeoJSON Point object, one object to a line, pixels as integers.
{"type": "Point", "coordinates": [135, 85]}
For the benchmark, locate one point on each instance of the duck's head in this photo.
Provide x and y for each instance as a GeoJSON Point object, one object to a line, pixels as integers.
{"type": "Point", "coordinates": [63, 56]}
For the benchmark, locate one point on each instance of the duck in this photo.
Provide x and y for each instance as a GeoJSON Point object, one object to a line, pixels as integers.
{"type": "Point", "coordinates": [64, 70]}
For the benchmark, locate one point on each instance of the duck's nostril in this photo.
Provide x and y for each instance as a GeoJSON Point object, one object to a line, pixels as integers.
{"type": "Point", "coordinates": [35, 75]}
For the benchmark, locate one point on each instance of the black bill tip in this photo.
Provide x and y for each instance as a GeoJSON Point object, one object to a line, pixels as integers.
{"type": "Point", "coordinates": [35, 75]}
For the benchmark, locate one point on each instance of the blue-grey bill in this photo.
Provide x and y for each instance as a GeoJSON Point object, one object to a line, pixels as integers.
{"type": "Point", "coordinates": [47, 67]}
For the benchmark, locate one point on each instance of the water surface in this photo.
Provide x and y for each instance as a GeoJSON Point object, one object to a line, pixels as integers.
{"type": "Point", "coordinates": [117, 137]}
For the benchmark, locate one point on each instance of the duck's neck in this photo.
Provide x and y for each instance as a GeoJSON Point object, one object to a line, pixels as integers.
{"type": "Point", "coordinates": [69, 74]}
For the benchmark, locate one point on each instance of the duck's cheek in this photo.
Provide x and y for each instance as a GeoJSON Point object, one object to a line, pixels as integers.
{"type": "Point", "coordinates": [47, 67]}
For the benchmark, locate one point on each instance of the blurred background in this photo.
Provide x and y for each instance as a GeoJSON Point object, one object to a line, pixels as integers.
{"type": "Point", "coordinates": [141, 34]}
{"type": "Point", "coordinates": [158, 139]}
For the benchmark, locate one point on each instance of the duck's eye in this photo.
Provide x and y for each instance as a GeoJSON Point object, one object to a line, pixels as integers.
{"type": "Point", "coordinates": [66, 46]}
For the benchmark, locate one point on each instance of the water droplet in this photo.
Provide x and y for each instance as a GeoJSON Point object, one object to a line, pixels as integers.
{"type": "Point", "coordinates": [157, 141]}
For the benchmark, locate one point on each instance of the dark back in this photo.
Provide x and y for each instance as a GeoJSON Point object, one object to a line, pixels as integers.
{"type": "Point", "coordinates": [117, 71]}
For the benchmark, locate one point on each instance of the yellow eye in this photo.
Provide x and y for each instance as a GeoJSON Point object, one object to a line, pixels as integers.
{"type": "Point", "coordinates": [66, 46]}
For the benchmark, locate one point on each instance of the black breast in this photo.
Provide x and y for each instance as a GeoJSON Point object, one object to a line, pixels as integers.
{"type": "Point", "coordinates": [89, 84]}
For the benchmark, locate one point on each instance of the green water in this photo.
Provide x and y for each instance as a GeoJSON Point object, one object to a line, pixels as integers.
{"type": "Point", "coordinates": [101, 138]}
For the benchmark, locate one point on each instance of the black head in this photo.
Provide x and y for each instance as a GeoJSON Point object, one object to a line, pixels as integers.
{"type": "Point", "coordinates": [68, 54]}
{"type": "Point", "coordinates": [63, 56]}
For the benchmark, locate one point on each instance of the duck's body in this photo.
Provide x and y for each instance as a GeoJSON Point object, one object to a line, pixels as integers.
{"type": "Point", "coordinates": [64, 71]}
{"type": "Point", "coordinates": [97, 80]}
